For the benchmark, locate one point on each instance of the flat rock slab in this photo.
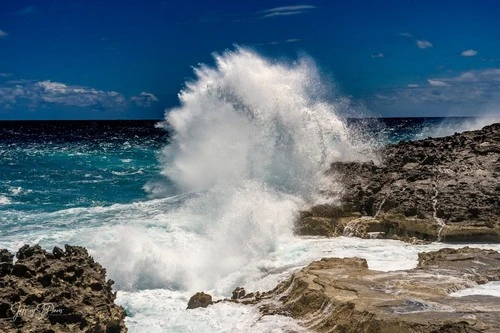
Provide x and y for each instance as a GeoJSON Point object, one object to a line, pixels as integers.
{"type": "Point", "coordinates": [343, 295]}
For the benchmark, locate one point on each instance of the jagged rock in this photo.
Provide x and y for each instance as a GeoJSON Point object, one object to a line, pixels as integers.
{"type": "Point", "coordinates": [65, 291]}
{"type": "Point", "coordinates": [238, 293]}
{"type": "Point", "coordinates": [199, 300]}
{"type": "Point", "coordinates": [438, 188]}
{"type": "Point", "coordinates": [343, 295]}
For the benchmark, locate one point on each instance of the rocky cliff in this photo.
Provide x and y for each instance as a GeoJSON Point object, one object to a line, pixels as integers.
{"type": "Point", "coordinates": [62, 291]}
{"type": "Point", "coordinates": [438, 188]}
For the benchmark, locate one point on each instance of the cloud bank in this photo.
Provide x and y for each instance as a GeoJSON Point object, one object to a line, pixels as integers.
{"type": "Point", "coordinates": [465, 93]}
{"type": "Point", "coordinates": [42, 94]}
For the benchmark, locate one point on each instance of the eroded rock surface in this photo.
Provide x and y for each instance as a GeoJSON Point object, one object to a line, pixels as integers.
{"type": "Point", "coordinates": [199, 300]}
{"type": "Point", "coordinates": [62, 291]}
{"type": "Point", "coordinates": [438, 188]}
{"type": "Point", "coordinates": [343, 295]}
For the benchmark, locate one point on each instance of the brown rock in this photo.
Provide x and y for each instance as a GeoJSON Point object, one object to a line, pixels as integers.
{"type": "Point", "coordinates": [238, 293]}
{"type": "Point", "coordinates": [437, 188]}
{"type": "Point", "coordinates": [343, 295]}
{"type": "Point", "coordinates": [44, 292]}
{"type": "Point", "coordinates": [199, 300]}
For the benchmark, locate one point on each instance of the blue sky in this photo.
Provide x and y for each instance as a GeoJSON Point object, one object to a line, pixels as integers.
{"type": "Point", "coordinates": [67, 59]}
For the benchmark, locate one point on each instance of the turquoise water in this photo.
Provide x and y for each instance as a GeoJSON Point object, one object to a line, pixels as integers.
{"type": "Point", "coordinates": [66, 165]}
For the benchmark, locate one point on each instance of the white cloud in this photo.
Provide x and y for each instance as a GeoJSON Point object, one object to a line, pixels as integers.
{"type": "Point", "coordinates": [424, 44]}
{"type": "Point", "coordinates": [60, 93]}
{"type": "Point", "coordinates": [286, 11]}
{"type": "Point", "coordinates": [469, 53]}
{"type": "Point", "coordinates": [465, 92]}
{"type": "Point", "coordinates": [377, 55]}
{"type": "Point", "coordinates": [437, 83]}
{"type": "Point", "coordinates": [5, 74]}
{"type": "Point", "coordinates": [405, 34]}
{"type": "Point", "coordinates": [144, 99]}
{"type": "Point", "coordinates": [412, 85]}
{"type": "Point", "coordinates": [34, 94]}
{"type": "Point", "coordinates": [3, 34]}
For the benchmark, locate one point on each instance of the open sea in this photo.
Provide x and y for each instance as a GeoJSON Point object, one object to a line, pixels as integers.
{"type": "Point", "coordinates": [204, 200]}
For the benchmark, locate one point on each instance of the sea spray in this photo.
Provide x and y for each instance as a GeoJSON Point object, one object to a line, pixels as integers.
{"type": "Point", "coordinates": [252, 140]}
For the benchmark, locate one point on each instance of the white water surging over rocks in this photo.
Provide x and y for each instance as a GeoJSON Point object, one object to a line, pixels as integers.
{"type": "Point", "coordinates": [251, 142]}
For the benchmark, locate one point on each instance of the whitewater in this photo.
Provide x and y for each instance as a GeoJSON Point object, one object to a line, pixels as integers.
{"type": "Point", "coordinates": [212, 209]}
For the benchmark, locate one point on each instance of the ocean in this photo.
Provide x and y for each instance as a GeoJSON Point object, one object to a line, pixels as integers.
{"type": "Point", "coordinates": [204, 200]}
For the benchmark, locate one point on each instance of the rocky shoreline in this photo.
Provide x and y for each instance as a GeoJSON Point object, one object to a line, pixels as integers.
{"type": "Point", "coordinates": [445, 189]}
{"type": "Point", "coordinates": [62, 291]}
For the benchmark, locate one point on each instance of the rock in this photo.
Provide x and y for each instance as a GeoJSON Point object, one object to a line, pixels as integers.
{"type": "Point", "coordinates": [199, 300]}
{"type": "Point", "coordinates": [315, 226]}
{"type": "Point", "coordinates": [437, 188]}
{"type": "Point", "coordinates": [343, 295]}
{"type": "Point", "coordinates": [238, 293]}
{"type": "Point", "coordinates": [44, 292]}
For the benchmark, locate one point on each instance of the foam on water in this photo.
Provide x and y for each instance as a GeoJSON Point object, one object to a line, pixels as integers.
{"type": "Point", "coordinates": [4, 200]}
{"type": "Point", "coordinates": [490, 288]}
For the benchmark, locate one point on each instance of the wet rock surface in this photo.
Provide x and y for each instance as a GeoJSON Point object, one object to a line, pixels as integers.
{"type": "Point", "coordinates": [62, 291]}
{"type": "Point", "coordinates": [438, 188]}
{"type": "Point", "coordinates": [199, 300]}
{"type": "Point", "coordinates": [343, 295]}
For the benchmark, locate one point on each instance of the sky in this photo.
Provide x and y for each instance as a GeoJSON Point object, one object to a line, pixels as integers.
{"type": "Point", "coordinates": [110, 59]}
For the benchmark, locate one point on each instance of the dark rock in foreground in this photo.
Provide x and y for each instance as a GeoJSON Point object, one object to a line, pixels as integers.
{"type": "Point", "coordinates": [442, 188]}
{"type": "Point", "coordinates": [199, 300]}
{"type": "Point", "coordinates": [343, 295]}
{"type": "Point", "coordinates": [62, 291]}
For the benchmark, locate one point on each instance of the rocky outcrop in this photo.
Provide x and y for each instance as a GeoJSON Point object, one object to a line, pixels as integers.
{"type": "Point", "coordinates": [438, 188]}
{"type": "Point", "coordinates": [343, 295]}
{"type": "Point", "coordinates": [62, 291]}
{"type": "Point", "coordinates": [199, 300]}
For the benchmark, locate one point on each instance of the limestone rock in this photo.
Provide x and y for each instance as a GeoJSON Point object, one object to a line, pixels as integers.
{"type": "Point", "coordinates": [343, 295]}
{"type": "Point", "coordinates": [199, 300]}
{"type": "Point", "coordinates": [62, 292]}
{"type": "Point", "coordinates": [438, 188]}
{"type": "Point", "coordinates": [238, 293]}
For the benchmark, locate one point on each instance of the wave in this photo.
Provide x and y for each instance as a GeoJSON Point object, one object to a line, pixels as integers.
{"type": "Point", "coordinates": [252, 138]}
{"type": "Point", "coordinates": [248, 148]}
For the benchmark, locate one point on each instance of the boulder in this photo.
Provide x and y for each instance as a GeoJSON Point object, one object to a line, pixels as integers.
{"type": "Point", "coordinates": [62, 292]}
{"type": "Point", "coordinates": [199, 300]}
